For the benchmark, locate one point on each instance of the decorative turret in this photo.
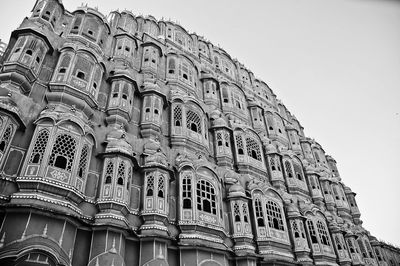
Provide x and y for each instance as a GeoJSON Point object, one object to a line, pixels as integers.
{"type": "Point", "coordinates": [120, 104]}
{"type": "Point", "coordinates": [222, 139]}
{"type": "Point", "coordinates": [154, 101]}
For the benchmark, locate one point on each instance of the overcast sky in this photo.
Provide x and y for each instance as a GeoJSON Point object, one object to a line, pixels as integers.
{"type": "Point", "coordinates": [334, 64]}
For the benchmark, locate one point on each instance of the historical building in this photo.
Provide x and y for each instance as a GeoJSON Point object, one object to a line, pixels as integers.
{"type": "Point", "coordinates": [129, 141]}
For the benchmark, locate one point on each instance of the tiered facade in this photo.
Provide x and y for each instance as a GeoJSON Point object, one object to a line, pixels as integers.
{"type": "Point", "coordinates": [129, 141]}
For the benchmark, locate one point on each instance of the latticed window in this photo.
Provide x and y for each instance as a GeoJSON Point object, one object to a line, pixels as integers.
{"type": "Point", "coordinates": [239, 144]}
{"type": "Point", "coordinates": [369, 249]}
{"type": "Point", "coordinates": [270, 122]}
{"type": "Point", "coordinates": [160, 186]}
{"type": "Point", "coordinates": [272, 163]}
{"type": "Point", "coordinates": [178, 116]}
{"type": "Point", "coordinates": [378, 254]}
{"type": "Point", "coordinates": [316, 156]}
{"type": "Point", "coordinates": [253, 149]}
{"type": "Point", "coordinates": [288, 169]}
{"type": "Point", "coordinates": [298, 171]}
{"type": "Point", "coordinates": [129, 177]}
{"type": "Point", "coordinates": [219, 139]}
{"type": "Point", "coordinates": [5, 140]}
{"type": "Point", "coordinates": [186, 72]}
{"type": "Point", "coordinates": [109, 173]}
{"type": "Point", "coordinates": [259, 212]}
{"type": "Point", "coordinates": [83, 162]}
{"type": "Point", "coordinates": [274, 215]}
{"type": "Point", "coordinates": [187, 192]}
{"type": "Point", "coordinates": [351, 246]}
{"type": "Point", "coordinates": [225, 95]}
{"type": "Point", "coordinates": [323, 234]}
{"type": "Point", "coordinates": [362, 247]}
{"type": "Point", "coordinates": [338, 243]}
{"type": "Point", "coordinates": [295, 229]}
{"type": "Point", "coordinates": [245, 213]}
{"type": "Point", "coordinates": [226, 137]}
{"type": "Point", "coordinates": [63, 153]}
{"type": "Point", "coordinates": [121, 174]}
{"type": "Point", "coordinates": [63, 67]}
{"type": "Point", "coordinates": [311, 230]}
{"type": "Point", "coordinates": [193, 121]}
{"type": "Point", "coordinates": [40, 146]}
{"type": "Point", "coordinates": [150, 186]}
{"type": "Point", "coordinates": [206, 197]}
{"type": "Point", "coordinates": [171, 66]}
{"type": "Point", "coordinates": [236, 212]}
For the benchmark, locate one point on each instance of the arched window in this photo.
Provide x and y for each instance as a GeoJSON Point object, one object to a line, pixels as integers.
{"type": "Point", "coordinates": [225, 95]}
{"type": "Point", "coordinates": [311, 230]}
{"type": "Point", "coordinates": [338, 243]}
{"type": "Point", "coordinates": [121, 174]}
{"type": "Point", "coordinates": [219, 139]}
{"type": "Point", "coordinates": [178, 116]}
{"type": "Point", "coordinates": [253, 149]}
{"type": "Point", "coordinates": [245, 213]}
{"type": "Point", "coordinates": [274, 215]}
{"type": "Point", "coordinates": [6, 138]}
{"type": "Point", "coordinates": [150, 186]}
{"type": "Point", "coordinates": [206, 197]}
{"type": "Point", "coordinates": [193, 121]}
{"type": "Point", "coordinates": [272, 163]}
{"type": "Point", "coordinates": [316, 156]}
{"type": "Point", "coordinates": [239, 144]}
{"type": "Point", "coordinates": [351, 246]}
{"type": "Point", "coordinates": [160, 186]}
{"type": "Point", "coordinates": [83, 162]}
{"type": "Point", "coordinates": [259, 212]}
{"type": "Point", "coordinates": [323, 234]}
{"type": "Point", "coordinates": [171, 66]}
{"type": "Point", "coordinates": [109, 173]}
{"type": "Point", "coordinates": [186, 72]}
{"type": "Point", "coordinates": [63, 153]}
{"type": "Point", "coordinates": [298, 171]}
{"type": "Point", "coordinates": [288, 169]}
{"type": "Point", "coordinates": [295, 229]}
{"type": "Point", "coordinates": [236, 212]}
{"type": "Point", "coordinates": [187, 192]}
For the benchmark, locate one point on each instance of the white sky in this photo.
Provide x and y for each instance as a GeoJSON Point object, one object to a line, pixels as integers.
{"type": "Point", "coordinates": [335, 65]}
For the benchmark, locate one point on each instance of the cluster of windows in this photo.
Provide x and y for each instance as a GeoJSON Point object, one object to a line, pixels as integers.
{"type": "Point", "coordinates": [273, 214]}
{"type": "Point", "coordinates": [48, 11]}
{"type": "Point", "coordinates": [152, 108]}
{"type": "Point", "coordinates": [298, 229]}
{"type": "Point", "coordinates": [201, 191]}
{"type": "Point", "coordinates": [205, 195]}
{"type": "Point", "coordinates": [80, 70]}
{"type": "Point", "coordinates": [275, 164]}
{"type": "Point", "coordinates": [155, 186]}
{"type": "Point", "coordinates": [192, 121]}
{"type": "Point", "coordinates": [117, 174]}
{"type": "Point", "coordinates": [29, 51]}
{"type": "Point", "coordinates": [250, 145]}
{"type": "Point", "coordinates": [321, 230]}
{"type": "Point", "coordinates": [181, 69]}
{"type": "Point", "coordinates": [121, 95]}
{"type": "Point", "coordinates": [127, 23]}
{"type": "Point", "coordinates": [89, 26]}
{"type": "Point", "coordinates": [180, 38]}
{"type": "Point", "coordinates": [125, 47]}
{"type": "Point", "coordinates": [150, 57]}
